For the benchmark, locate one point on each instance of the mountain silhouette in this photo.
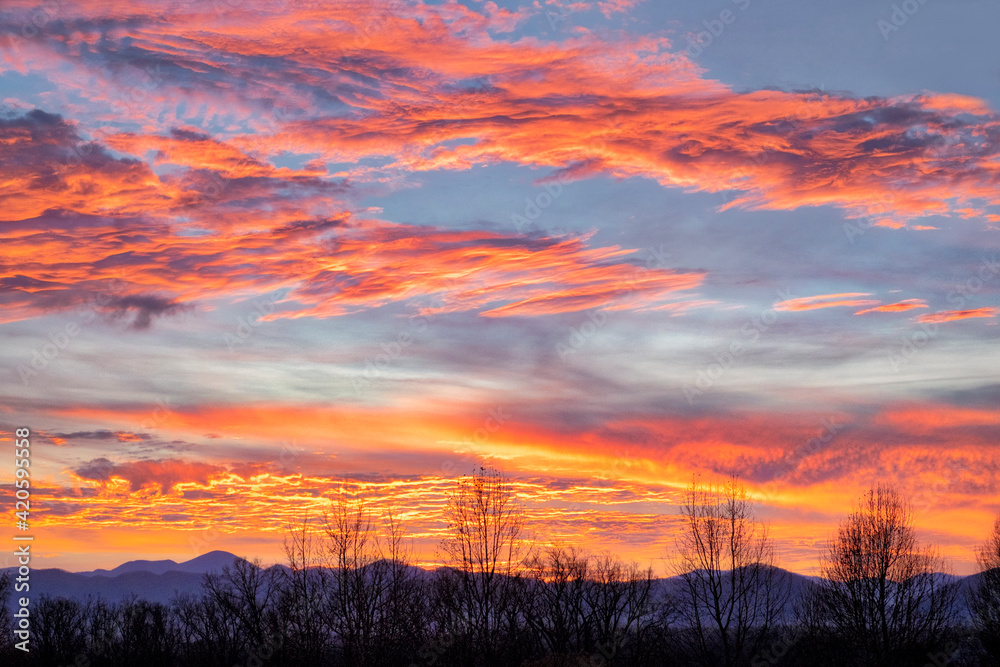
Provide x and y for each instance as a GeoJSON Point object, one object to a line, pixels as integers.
{"type": "Point", "coordinates": [213, 561]}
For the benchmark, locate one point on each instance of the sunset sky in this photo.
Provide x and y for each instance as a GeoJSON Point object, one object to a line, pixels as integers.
{"type": "Point", "coordinates": [256, 253]}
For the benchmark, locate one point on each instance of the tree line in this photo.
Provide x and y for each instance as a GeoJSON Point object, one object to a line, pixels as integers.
{"type": "Point", "coordinates": [349, 596]}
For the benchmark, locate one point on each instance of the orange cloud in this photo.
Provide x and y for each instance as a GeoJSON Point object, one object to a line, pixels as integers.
{"type": "Point", "coordinates": [610, 7]}
{"type": "Point", "coordinates": [327, 267]}
{"type": "Point", "coordinates": [824, 301]}
{"type": "Point", "coordinates": [45, 165]}
{"type": "Point", "coordinates": [634, 106]}
{"type": "Point", "coordinates": [194, 149]}
{"type": "Point", "coordinates": [908, 304]}
{"type": "Point", "coordinates": [927, 417]}
{"type": "Point", "coordinates": [162, 475]}
{"type": "Point", "coordinates": [624, 473]}
{"type": "Point", "coordinates": [953, 315]}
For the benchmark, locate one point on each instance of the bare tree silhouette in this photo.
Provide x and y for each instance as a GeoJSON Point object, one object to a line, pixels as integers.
{"type": "Point", "coordinates": [303, 596]}
{"type": "Point", "coordinates": [881, 588]}
{"type": "Point", "coordinates": [59, 631]}
{"type": "Point", "coordinates": [487, 549]}
{"type": "Point", "coordinates": [6, 623]}
{"type": "Point", "coordinates": [557, 600]}
{"type": "Point", "coordinates": [620, 601]}
{"type": "Point", "coordinates": [376, 600]}
{"type": "Point", "coordinates": [733, 595]}
{"type": "Point", "coordinates": [984, 600]}
{"type": "Point", "coordinates": [245, 592]}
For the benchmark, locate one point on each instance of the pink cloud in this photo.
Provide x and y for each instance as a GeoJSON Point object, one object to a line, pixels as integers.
{"type": "Point", "coordinates": [825, 301]}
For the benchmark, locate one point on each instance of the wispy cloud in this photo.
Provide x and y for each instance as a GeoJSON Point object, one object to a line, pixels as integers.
{"type": "Point", "coordinates": [898, 307]}
{"type": "Point", "coordinates": [825, 301]}
{"type": "Point", "coordinates": [954, 315]}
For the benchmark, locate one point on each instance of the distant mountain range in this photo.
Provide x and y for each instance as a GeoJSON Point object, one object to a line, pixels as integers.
{"type": "Point", "coordinates": [162, 580]}
{"type": "Point", "coordinates": [153, 580]}
{"type": "Point", "coordinates": [213, 561]}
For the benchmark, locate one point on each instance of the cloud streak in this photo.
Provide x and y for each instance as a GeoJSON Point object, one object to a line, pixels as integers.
{"type": "Point", "coordinates": [825, 301]}
{"type": "Point", "coordinates": [899, 307]}
{"type": "Point", "coordinates": [955, 315]}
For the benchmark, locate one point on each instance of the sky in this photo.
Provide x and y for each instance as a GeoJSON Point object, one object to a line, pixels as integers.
{"type": "Point", "coordinates": [256, 255]}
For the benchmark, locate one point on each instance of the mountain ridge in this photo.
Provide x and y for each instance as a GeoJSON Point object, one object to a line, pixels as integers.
{"type": "Point", "coordinates": [212, 561]}
{"type": "Point", "coordinates": [163, 580]}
